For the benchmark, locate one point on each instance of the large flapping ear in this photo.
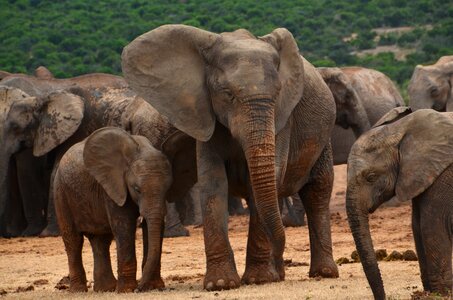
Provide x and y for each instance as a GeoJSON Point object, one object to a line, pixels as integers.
{"type": "Point", "coordinates": [60, 117]}
{"type": "Point", "coordinates": [393, 115]}
{"type": "Point", "coordinates": [425, 151]}
{"type": "Point", "coordinates": [166, 67]}
{"type": "Point", "coordinates": [291, 73]}
{"type": "Point", "coordinates": [107, 155]}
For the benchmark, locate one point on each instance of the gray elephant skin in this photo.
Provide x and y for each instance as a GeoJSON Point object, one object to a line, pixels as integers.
{"type": "Point", "coordinates": [262, 117]}
{"type": "Point", "coordinates": [99, 192]}
{"type": "Point", "coordinates": [431, 86]}
{"type": "Point", "coordinates": [409, 158]}
{"type": "Point", "coordinates": [362, 96]}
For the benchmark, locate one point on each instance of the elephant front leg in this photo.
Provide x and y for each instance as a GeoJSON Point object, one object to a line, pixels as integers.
{"type": "Point", "coordinates": [416, 230]}
{"type": "Point", "coordinates": [315, 196]}
{"type": "Point", "coordinates": [104, 281]}
{"type": "Point", "coordinates": [260, 267]}
{"type": "Point", "coordinates": [221, 270]}
{"type": "Point", "coordinates": [123, 223]}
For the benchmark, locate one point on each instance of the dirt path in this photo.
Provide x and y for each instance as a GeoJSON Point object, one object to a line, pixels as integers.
{"type": "Point", "coordinates": [38, 264]}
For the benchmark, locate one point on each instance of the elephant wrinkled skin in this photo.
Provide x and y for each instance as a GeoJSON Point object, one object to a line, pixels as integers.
{"type": "Point", "coordinates": [262, 117]}
{"type": "Point", "coordinates": [409, 158]}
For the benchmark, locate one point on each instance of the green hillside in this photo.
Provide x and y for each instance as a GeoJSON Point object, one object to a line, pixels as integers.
{"type": "Point", "coordinates": [74, 37]}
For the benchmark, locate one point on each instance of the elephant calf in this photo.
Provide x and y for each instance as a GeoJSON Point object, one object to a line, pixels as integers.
{"type": "Point", "coordinates": [407, 157]}
{"type": "Point", "coordinates": [101, 186]}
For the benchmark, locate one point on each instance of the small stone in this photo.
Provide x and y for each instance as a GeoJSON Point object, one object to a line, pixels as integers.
{"type": "Point", "coordinates": [22, 289]}
{"type": "Point", "coordinates": [40, 282]}
{"type": "Point", "coordinates": [3, 292]}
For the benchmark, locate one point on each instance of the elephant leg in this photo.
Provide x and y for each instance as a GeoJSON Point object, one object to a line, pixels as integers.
{"type": "Point", "coordinates": [104, 281]}
{"type": "Point", "coordinates": [123, 221]}
{"type": "Point", "coordinates": [52, 225]}
{"type": "Point", "coordinates": [437, 240]}
{"type": "Point", "coordinates": [173, 225]}
{"type": "Point", "coordinates": [32, 187]}
{"type": "Point", "coordinates": [315, 196]}
{"type": "Point", "coordinates": [221, 272]}
{"type": "Point", "coordinates": [73, 242]}
{"type": "Point", "coordinates": [416, 230]}
{"type": "Point", "coordinates": [259, 267]}
{"type": "Point", "coordinates": [15, 222]}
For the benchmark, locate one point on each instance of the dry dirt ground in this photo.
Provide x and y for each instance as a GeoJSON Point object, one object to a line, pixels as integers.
{"type": "Point", "coordinates": [37, 264]}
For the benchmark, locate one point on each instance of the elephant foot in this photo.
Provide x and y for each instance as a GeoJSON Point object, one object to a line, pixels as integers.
{"type": "Point", "coordinates": [126, 285]}
{"type": "Point", "coordinates": [50, 230]}
{"type": "Point", "coordinates": [260, 273]}
{"type": "Point", "coordinates": [78, 287]}
{"type": "Point", "coordinates": [221, 276]}
{"type": "Point", "coordinates": [176, 231]}
{"type": "Point", "coordinates": [325, 269]}
{"type": "Point", "coordinates": [151, 285]}
{"type": "Point", "coordinates": [32, 230]}
{"type": "Point", "coordinates": [104, 285]}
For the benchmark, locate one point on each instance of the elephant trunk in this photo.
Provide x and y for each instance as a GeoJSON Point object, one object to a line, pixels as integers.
{"type": "Point", "coordinates": [153, 219]}
{"type": "Point", "coordinates": [358, 221]}
{"type": "Point", "coordinates": [257, 138]}
{"type": "Point", "coordinates": [361, 122]}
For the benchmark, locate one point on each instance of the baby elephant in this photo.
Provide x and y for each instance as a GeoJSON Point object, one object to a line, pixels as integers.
{"type": "Point", "coordinates": [410, 158]}
{"type": "Point", "coordinates": [101, 186]}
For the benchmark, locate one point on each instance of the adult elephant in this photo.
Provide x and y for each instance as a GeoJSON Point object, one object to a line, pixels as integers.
{"type": "Point", "coordinates": [431, 86]}
{"type": "Point", "coordinates": [27, 117]}
{"type": "Point", "coordinates": [362, 96]}
{"type": "Point", "coordinates": [262, 117]}
{"type": "Point", "coordinates": [409, 158]}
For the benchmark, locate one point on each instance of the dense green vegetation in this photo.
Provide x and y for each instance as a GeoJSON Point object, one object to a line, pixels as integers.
{"type": "Point", "coordinates": [73, 37]}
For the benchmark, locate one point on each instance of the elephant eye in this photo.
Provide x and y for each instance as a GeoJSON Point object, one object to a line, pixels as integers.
{"type": "Point", "coordinates": [371, 177]}
{"type": "Point", "coordinates": [228, 94]}
{"type": "Point", "coordinates": [434, 91]}
{"type": "Point", "coordinates": [137, 189]}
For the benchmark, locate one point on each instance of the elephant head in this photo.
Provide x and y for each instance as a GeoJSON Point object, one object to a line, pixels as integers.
{"type": "Point", "coordinates": [431, 86]}
{"type": "Point", "coordinates": [128, 166]}
{"type": "Point", "coordinates": [41, 123]}
{"type": "Point", "coordinates": [351, 112]}
{"type": "Point", "coordinates": [250, 85]}
{"type": "Point", "coordinates": [400, 159]}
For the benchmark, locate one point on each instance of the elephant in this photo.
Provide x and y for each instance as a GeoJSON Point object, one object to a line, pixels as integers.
{"type": "Point", "coordinates": [431, 86]}
{"type": "Point", "coordinates": [101, 186]}
{"type": "Point", "coordinates": [407, 156]}
{"type": "Point", "coordinates": [262, 117]}
{"type": "Point", "coordinates": [362, 96]}
{"type": "Point", "coordinates": [51, 123]}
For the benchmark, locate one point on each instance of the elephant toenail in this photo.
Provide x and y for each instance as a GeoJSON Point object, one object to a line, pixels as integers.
{"type": "Point", "coordinates": [232, 284]}
{"type": "Point", "coordinates": [210, 285]}
{"type": "Point", "coordinates": [252, 280]}
{"type": "Point", "coordinates": [220, 283]}
{"type": "Point", "coordinates": [326, 271]}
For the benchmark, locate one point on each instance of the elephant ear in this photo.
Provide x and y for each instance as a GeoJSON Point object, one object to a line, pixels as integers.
{"type": "Point", "coordinates": [107, 155]}
{"type": "Point", "coordinates": [425, 151]}
{"type": "Point", "coordinates": [166, 67]}
{"type": "Point", "coordinates": [393, 115]}
{"type": "Point", "coordinates": [291, 73]}
{"type": "Point", "coordinates": [61, 115]}
{"type": "Point", "coordinates": [447, 69]}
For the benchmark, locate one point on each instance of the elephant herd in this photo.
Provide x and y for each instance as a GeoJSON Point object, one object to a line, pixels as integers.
{"type": "Point", "coordinates": [235, 116]}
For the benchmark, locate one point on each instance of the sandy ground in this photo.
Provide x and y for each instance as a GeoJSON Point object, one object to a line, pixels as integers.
{"type": "Point", "coordinates": [39, 263]}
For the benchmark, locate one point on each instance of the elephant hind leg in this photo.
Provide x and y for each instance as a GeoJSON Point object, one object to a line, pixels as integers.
{"type": "Point", "coordinates": [315, 196]}
{"type": "Point", "coordinates": [260, 267]}
{"type": "Point", "coordinates": [104, 281]}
